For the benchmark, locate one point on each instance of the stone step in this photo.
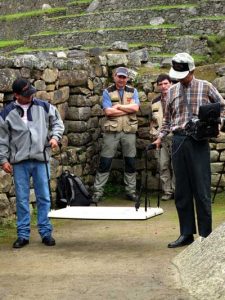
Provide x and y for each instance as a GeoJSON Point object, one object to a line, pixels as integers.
{"type": "Point", "coordinates": [77, 7]}
{"type": "Point", "coordinates": [188, 43]}
{"type": "Point", "coordinates": [109, 5]}
{"type": "Point", "coordinates": [22, 25]}
{"type": "Point", "coordinates": [123, 18]}
{"type": "Point", "coordinates": [150, 34]}
{"type": "Point", "coordinates": [9, 6]}
{"type": "Point", "coordinates": [204, 25]}
{"type": "Point", "coordinates": [129, 17]}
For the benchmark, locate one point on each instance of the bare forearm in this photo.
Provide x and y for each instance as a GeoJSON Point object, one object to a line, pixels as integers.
{"type": "Point", "coordinates": [128, 108]}
{"type": "Point", "coordinates": [113, 112]}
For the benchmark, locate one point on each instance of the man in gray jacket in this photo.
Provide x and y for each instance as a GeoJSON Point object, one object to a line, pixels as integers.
{"type": "Point", "coordinates": [27, 125]}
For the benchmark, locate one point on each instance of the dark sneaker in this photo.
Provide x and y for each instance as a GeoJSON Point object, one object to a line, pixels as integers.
{"type": "Point", "coordinates": [48, 241]}
{"type": "Point", "coordinates": [20, 243]}
{"type": "Point", "coordinates": [132, 197]}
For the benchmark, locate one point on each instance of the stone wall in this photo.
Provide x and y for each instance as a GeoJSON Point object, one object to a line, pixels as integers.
{"type": "Point", "coordinates": [204, 7]}
{"type": "Point", "coordinates": [106, 21]}
{"type": "Point", "coordinates": [13, 6]}
{"type": "Point", "coordinates": [101, 37]}
{"type": "Point", "coordinates": [119, 18]}
{"type": "Point", "coordinates": [108, 5]}
{"type": "Point", "coordinates": [74, 82]}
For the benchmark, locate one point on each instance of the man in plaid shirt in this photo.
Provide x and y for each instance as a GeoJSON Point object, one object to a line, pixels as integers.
{"type": "Point", "coordinates": [190, 158]}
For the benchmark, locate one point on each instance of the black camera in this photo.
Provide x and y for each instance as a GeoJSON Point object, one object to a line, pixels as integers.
{"type": "Point", "coordinates": [151, 147]}
{"type": "Point", "coordinates": [207, 124]}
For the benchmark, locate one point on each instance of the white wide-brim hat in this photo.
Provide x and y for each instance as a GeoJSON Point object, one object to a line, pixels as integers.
{"type": "Point", "coordinates": [182, 64]}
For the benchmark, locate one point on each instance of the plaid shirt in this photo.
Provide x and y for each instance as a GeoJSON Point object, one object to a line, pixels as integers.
{"type": "Point", "coordinates": [197, 93]}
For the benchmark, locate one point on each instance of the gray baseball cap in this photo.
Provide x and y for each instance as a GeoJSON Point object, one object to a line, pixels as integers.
{"type": "Point", "coordinates": [122, 71]}
{"type": "Point", "coordinates": [182, 64]}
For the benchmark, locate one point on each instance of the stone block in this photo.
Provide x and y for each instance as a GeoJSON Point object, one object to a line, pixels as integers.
{"type": "Point", "coordinates": [201, 266]}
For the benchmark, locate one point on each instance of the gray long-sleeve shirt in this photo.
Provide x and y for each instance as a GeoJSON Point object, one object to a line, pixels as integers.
{"type": "Point", "coordinates": [21, 141]}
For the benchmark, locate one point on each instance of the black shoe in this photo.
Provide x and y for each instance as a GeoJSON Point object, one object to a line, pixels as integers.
{"type": "Point", "coordinates": [132, 197]}
{"type": "Point", "coordinates": [183, 240]}
{"type": "Point", "coordinates": [20, 242]}
{"type": "Point", "coordinates": [48, 241]}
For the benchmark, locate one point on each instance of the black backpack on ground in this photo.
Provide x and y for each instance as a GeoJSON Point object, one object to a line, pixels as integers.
{"type": "Point", "coordinates": [71, 191]}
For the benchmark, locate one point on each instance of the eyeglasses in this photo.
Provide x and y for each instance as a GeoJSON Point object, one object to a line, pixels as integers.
{"type": "Point", "coordinates": [121, 76]}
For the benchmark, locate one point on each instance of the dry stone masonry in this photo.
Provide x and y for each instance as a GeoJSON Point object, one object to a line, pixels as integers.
{"type": "Point", "coordinates": [74, 84]}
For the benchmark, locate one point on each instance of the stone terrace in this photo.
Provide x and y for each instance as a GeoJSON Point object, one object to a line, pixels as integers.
{"type": "Point", "coordinates": [14, 6]}
{"type": "Point", "coordinates": [155, 24]}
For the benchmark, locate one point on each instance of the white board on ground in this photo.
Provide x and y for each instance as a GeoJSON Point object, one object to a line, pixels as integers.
{"type": "Point", "coordinates": [105, 213]}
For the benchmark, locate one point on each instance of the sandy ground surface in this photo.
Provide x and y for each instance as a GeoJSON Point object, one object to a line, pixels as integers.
{"type": "Point", "coordinates": [96, 260]}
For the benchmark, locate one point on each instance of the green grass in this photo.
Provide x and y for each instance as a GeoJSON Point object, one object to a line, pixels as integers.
{"type": "Point", "coordinates": [8, 232]}
{"type": "Point", "coordinates": [137, 45]}
{"type": "Point", "coordinates": [11, 43]}
{"type": "Point", "coordinates": [218, 208]}
{"type": "Point", "coordinates": [193, 36]}
{"type": "Point", "coordinates": [115, 196]}
{"type": "Point", "coordinates": [130, 45]}
{"type": "Point", "coordinates": [217, 47]}
{"type": "Point", "coordinates": [152, 54]}
{"type": "Point", "coordinates": [28, 50]}
{"type": "Point", "coordinates": [30, 14]}
{"type": "Point", "coordinates": [198, 58]}
{"type": "Point", "coordinates": [143, 27]}
{"type": "Point", "coordinates": [153, 8]}
{"type": "Point", "coordinates": [79, 2]}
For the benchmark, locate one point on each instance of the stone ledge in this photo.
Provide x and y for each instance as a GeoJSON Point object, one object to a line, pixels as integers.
{"type": "Point", "coordinates": [202, 264]}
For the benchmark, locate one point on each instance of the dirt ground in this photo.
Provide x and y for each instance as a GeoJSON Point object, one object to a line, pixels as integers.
{"type": "Point", "coordinates": [96, 260]}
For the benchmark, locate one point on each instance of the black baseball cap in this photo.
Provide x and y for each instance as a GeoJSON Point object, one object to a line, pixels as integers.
{"type": "Point", "coordinates": [23, 87]}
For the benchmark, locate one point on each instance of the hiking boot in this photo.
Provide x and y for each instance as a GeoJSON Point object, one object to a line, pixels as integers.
{"type": "Point", "coordinates": [132, 197]}
{"type": "Point", "coordinates": [167, 197]}
{"type": "Point", "coordinates": [48, 241]}
{"type": "Point", "coordinates": [20, 242]}
{"type": "Point", "coordinates": [96, 198]}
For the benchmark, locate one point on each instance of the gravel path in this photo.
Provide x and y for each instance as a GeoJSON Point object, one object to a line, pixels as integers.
{"type": "Point", "coordinates": [96, 260]}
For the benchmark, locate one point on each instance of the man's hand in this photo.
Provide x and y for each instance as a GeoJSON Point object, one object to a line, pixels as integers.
{"type": "Point", "coordinates": [157, 143]}
{"type": "Point", "coordinates": [53, 143]}
{"type": "Point", "coordinates": [7, 167]}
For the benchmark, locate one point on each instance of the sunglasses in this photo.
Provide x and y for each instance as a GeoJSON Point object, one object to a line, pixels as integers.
{"type": "Point", "coordinates": [121, 76]}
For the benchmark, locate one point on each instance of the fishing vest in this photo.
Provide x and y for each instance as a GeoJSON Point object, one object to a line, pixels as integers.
{"type": "Point", "coordinates": [127, 123]}
{"type": "Point", "coordinates": [157, 117]}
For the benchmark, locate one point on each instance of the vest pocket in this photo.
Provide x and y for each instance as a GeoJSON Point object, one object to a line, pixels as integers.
{"type": "Point", "coordinates": [132, 123]}
{"type": "Point", "coordinates": [110, 125]}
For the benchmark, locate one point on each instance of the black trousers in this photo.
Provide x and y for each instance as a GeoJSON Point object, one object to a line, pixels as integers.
{"type": "Point", "coordinates": [191, 163]}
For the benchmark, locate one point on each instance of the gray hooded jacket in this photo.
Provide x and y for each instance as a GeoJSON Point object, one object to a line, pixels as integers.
{"type": "Point", "coordinates": [22, 141]}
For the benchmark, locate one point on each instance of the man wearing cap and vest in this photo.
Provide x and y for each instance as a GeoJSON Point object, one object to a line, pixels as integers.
{"type": "Point", "coordinates": [120, 104]}
{"type": "Point", "coordinates": [190, 157]}
{"type": "Point", "coordinates": [27, 125]}
{"type": "Point", "coordinates": [163, 82]}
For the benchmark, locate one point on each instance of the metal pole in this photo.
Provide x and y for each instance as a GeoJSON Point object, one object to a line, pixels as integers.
{"type": "Point", "coordinates": [48, 175]}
